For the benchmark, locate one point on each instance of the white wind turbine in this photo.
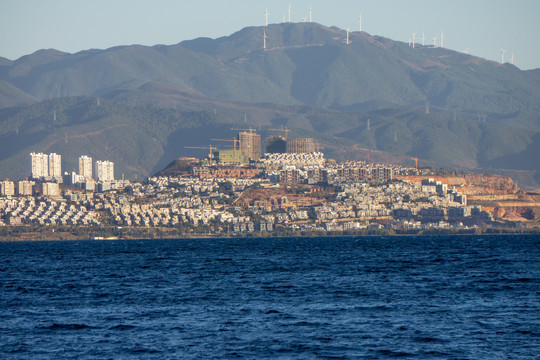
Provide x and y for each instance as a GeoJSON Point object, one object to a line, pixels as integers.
{"type": "Point", "coordinates": [264, 39]}
{"type": "Point", "coordinates": [289, 12]}
{"type": "Point", "coordinates": [266, 16]}
{"type": "Point", "coordinates": [442, 39]}
{"type": "Point", "coordinates": [413, 35]}
{"type": "Point", "coordinates": [502, 55]}
{"type": "Point", "coordinates": [310, 10]}
{"type": "Point", "coordinates": [434, 41]}
{"type": "Point", "coordinates": [360, 20]}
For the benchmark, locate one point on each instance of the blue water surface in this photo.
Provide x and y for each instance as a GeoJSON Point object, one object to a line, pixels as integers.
{"type": "Point", "coordinates": [431, 297]}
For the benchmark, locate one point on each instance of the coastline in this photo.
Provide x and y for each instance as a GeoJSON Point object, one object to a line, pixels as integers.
{"type": "Point", "coordinates": [60, 234]}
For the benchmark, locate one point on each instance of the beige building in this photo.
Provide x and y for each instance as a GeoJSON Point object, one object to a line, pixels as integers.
{"type": "Point", "coordinates": [301, 145]}
{"type": "Point", "coordinates": [50, 189]}
{"type": "Point", "coordinates": [25, 187]}
{"type": "Point", "coordinates": [250, 144]}
{"type": "Point", "coordinates": [7, 188]}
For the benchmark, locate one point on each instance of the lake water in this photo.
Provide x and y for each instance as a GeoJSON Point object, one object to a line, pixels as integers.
{"type": "Point", "coordinates": [459, 297]}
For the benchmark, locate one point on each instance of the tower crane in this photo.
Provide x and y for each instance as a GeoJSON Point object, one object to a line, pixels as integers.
{"type": "Point", "coordinates": [210, 147]}
{"type": "Point", "coordinates": [234, 143]}
{"type": "Point", "coordinates": [415, 162]}
{"type": "Point", "coordinates": [284, 130]}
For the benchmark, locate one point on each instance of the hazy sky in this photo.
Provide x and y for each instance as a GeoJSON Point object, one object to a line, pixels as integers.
{"type": "Point", "coordinates": [483, 26]}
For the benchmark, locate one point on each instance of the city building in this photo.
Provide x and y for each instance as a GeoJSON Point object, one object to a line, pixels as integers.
{"type": "Point", "coordinates": [275, 145]}
{"type": "Point", "coordinates": [39, 165]}
{"type": "Point", "coordinates": [231, 157]}
{"type": "Point", "coordinates": [50, 189]}
{"type": "Point", "coordinates": [104, 171]}
{"type": "Point", "coordinates": [301, 145]}
{"type": "Point", "coordinates": [250, 144]}
{"type": "Point", "coordinates": [7, 188]}
{"type": "Point", "coordinates": [55, 166]}
{"type": "Point", "coordinates": [25, 187]}
{"type": "Point", "coordinates": [289, 175]}
{"type": "Point", "coordinates": [85, 167]}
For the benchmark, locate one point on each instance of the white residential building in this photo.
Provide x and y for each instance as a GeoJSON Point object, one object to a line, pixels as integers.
{"type": "Point", "coordinates": [55, 165]}
{"type": "Point", "coordinates": [39, 165]}
{"type": "Point", "coordinates": [104, 171]}
{"type": "Point", "coordinates": [85, 167]}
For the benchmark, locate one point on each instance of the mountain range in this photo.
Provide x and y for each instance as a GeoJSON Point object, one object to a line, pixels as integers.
{"type": "Point", "coordinates": [140, 106]}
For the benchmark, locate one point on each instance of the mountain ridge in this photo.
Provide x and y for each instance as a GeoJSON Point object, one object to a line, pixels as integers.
{"type": "Point", "coordinates": [448, 108]}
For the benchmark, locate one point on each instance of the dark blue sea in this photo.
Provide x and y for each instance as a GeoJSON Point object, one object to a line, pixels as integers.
{"type": "Point", "coordinates": [426, 297]}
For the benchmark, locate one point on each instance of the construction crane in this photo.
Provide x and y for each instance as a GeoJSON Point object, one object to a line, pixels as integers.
{"type": "Point", "coordinates": [234, 143]}
{"type": "Point", "coordinates": [284, 130]}
{"type": "Point", "coordinates": [210, 147]}
{"type": "Point", "coordinates": [250, 130]}
{"type": "Point", "coordinates": [415, 162]}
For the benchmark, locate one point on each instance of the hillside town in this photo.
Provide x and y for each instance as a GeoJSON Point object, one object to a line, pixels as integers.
{"type": "Point", "coordinates": [291, 189]}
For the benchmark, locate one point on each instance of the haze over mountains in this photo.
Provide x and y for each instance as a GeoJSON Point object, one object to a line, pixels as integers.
{"type": "Point", "coordinates": [447, 108]}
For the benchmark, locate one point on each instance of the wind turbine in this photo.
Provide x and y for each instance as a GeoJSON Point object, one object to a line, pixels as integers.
{"type": "Point", "coordinates": [304, 19]}
{"type": "Point", "coordinates": [434, 41]}
{"type": "Point", "coordinates": [423, 38]}
{"type": "Point", "coordinates": [466, 51]}
{"type": "Point", "coordinates": [442, 39]}
{"type": "Point", "coordinates": [502, 55]}
{"type": "Point", "coordinates": [289, 12]}
{"type": "Point", "coordinates": [512, 59]}
{"type": "Point", "coordinates": [413, 35]}
{"type": "Point", "coordinates": [360, 20]}
{"type": "Point", "coordinates": [348, 29]}
{"type": "Point", "coordinates": [266, 16]}
{"type": "Point", "coordinates": [310, 10]}
{"type": "Point", "coordinates": [264, 39]}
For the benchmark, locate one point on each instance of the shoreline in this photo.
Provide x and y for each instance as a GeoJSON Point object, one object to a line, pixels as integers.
{"type": "Point", "coordinates": [144, 235]}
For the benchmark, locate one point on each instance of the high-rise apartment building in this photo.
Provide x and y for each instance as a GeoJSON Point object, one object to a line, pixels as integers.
{"type": "Point", "coordinates": [250, 144]}
{"type": "Point", "coordinates": [39, 165]}
{"type": "Point", "coordinates": [275, 145]}
{"type": "Point", "coordinates": [104, 171]}
{"type": "Point", "coordinates": [85, 167]}
{"type": "Point", "coordinates": [301, 145]}
{"type": "Point", "coordinates": [55, 165]}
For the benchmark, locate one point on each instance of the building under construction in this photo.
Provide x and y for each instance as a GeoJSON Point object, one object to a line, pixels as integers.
{"type": "Point", "coordinates": [231, 157]}
{"type": "Point", "coordinates": [301, 145]}
{"type": "Point", "coordinates": [275, 145]}
{"type": "Point", "coordinates": [250, 144]}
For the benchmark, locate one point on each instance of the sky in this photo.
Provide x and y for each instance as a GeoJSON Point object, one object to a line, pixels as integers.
{"type": "Point", "coordinates": [484, 27]}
